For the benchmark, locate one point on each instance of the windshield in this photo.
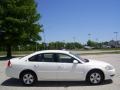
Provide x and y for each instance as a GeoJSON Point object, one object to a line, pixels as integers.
{"type": "Point", "coordinates": [78, 56]}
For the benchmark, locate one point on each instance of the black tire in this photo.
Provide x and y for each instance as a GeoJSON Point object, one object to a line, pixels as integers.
{"type": "Point", "coordinates": [95, 77]}
{"type": "Point", "coordinates": [28, 78]}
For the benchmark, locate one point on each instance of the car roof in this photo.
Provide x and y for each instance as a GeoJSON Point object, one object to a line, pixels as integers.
{"type": "Point", "coordinates": [46, 51]}
{"type": "Point", "coordinates": [52, 51]}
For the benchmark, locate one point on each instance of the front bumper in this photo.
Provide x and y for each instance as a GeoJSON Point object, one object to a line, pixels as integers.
{"type": "Point", "coordinates": [109, 74]}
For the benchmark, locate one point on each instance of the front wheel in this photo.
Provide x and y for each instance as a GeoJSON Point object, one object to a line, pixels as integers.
{"type": "Point", "coordinates": [95, 77]}
{"type": "Point", "coordinates": [28, 78]}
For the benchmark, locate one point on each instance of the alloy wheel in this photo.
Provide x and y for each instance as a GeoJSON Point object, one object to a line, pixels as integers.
{"type": "Point", "coordinates": [28, 78]}
{"type": "Point", "coordinates": [95, 78]}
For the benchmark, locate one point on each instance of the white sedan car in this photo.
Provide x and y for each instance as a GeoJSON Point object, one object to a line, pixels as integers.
{"type": "Point", "coordinates": [58, 65]}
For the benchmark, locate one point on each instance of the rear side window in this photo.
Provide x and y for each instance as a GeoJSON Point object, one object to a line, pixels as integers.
{"type": "Point", "coordinates": [36, 58]}
{"type": "Point", "coordinates": [46, 57]}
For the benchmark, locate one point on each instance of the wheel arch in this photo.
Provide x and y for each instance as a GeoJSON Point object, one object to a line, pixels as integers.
{"type": "Point", "coordinates": [27, 70]}
{"type": "Point", "coordinates": [95, 69]}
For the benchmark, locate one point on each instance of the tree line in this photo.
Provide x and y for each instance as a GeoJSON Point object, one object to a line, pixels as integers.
{"type": "Point", "coordinates": [53, 45]}
{"type": "Point", "coordinates": [43, 46]}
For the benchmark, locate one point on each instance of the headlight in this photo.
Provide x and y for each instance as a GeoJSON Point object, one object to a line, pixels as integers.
{"type": "Point", "coordinates": [108, 67]}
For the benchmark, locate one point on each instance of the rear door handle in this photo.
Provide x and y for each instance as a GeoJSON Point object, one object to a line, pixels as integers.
{"type": "Point", "coordinates": [60, 67]}
{"type": "Point", "coordinates": [36, 66]}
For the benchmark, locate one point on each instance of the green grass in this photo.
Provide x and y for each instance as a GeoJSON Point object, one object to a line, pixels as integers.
{"type": "Point", "coordinates": [4, 58]}
{"type": "Point", "coordinates": [97, 49]}
{"type": "Point", "coordinates": [18, 52]}
{"type": "Point", "coordinates": [100, 53]}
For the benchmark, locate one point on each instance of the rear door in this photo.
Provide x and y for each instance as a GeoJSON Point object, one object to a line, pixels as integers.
{"type": "Point", "coordinates": [45, 66]}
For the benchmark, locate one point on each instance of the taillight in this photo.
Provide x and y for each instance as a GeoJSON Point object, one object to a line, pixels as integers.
{"type": "Point", "coordinates": [9, 64]}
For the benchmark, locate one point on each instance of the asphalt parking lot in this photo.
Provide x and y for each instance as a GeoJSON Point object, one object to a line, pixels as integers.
{"type": "Point", "coordinates": [7, 83]}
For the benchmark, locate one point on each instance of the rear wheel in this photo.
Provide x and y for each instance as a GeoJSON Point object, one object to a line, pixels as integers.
{"type": "Point", "coordinates": [95, 77]}
{"type": "Point", "coordinates": [28, 78]}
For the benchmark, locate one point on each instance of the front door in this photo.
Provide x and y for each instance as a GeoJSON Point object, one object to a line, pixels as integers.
{"type": "Point", "coordinates": [67, 70]}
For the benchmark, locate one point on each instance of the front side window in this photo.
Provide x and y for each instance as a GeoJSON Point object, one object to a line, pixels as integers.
{"type": "Point", "coordinates": [63, 58]}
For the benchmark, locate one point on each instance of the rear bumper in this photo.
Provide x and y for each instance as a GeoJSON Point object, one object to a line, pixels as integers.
{"type": "Point", "coordinates": [109, 74]}
{"type": "Point", "coordinates": [10, 72]}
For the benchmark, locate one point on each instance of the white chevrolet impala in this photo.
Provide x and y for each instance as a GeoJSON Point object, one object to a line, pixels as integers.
{"type": "Point", "coordinates": [58, 65]}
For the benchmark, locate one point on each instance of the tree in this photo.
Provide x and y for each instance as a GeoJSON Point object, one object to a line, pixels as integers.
{"type": "Point", "coordinates": [56, 45]}
{"type": "Point", "coordinates": [74, 45]}
{"type": "Point", "coordinates": [91, 43]}
{"type": "Point", "coordinates": [19, 22]}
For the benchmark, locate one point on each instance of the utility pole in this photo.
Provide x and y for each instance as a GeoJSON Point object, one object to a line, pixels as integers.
{"type": "Point", "coordinates": [89, 36]}
{"type": "Point", "coordinates": [44, 36]}
{"type": "Point", "coordinates": [74, 39]}
{"type": "Point", "coordinates": [116, 35]}
{"type": "Point", "coordinates": [64, 44]}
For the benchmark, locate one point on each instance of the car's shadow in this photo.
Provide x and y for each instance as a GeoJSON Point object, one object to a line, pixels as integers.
{"type": "Point", "coordinates": [17, 83]}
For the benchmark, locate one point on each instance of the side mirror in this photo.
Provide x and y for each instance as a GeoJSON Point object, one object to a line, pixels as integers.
{"type": "Point", "coordinates": [75, 62]}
